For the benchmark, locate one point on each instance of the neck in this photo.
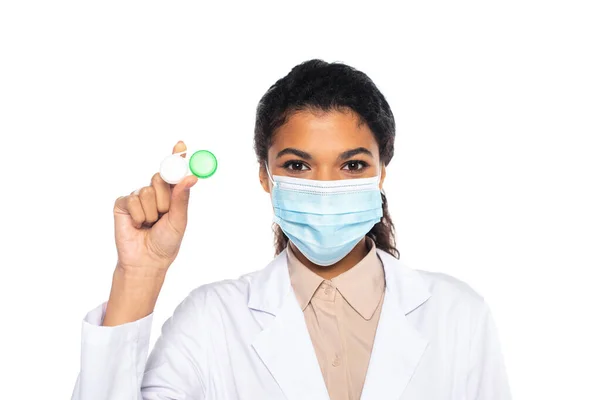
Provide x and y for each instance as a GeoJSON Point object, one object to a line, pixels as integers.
{"type": "Point", "coordinates": [331, 271]}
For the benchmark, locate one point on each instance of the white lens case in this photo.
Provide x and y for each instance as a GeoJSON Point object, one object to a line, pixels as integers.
{"type": "Point", "coordinates": [174, 168]}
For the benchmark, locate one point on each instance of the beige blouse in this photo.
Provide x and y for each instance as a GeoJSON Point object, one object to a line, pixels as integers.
{"type": "Point", "coordinates": [341, 315]}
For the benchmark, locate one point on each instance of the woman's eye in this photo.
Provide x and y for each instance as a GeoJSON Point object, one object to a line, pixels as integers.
{"type": "Point", "coordinates": [355, 165]}
{"type": "Point", "coordinates": [295, 166]}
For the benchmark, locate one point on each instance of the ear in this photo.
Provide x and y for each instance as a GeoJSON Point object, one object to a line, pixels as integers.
{"type": "Point", "coordinates": [382, 178]}
{"type": "Point", "coordinates": [264, 178]}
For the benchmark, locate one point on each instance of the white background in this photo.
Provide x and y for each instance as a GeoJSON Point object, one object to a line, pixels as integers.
{"type": "Point", "coordinates": [495, 179]}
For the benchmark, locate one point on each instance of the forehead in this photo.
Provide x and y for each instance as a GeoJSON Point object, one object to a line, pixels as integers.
{"type": "Point", "coordinates": [319, 131]}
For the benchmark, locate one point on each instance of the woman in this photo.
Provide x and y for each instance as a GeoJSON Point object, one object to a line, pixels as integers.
{"type": "Point", "coordinates": [335, 315]}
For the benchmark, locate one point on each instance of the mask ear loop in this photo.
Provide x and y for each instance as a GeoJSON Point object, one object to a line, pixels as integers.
{"type": "Point", "coordinates": [379, 180]}
{"type": "Point", "coordinates": [269, 173]}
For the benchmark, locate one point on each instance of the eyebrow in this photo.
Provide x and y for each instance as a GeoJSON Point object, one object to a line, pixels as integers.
{"type": "Point", "coordinates": [351, 153]}
{"type": "Point", "coordinates": [296, 152]}
{"type": "Point", "coordinates": [344, 156]}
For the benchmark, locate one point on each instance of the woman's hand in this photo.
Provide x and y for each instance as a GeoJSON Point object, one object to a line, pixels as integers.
{"type": "Point", "coordinates": [149, 228]}
{"type": "Point", "coordinates": [150, 223]}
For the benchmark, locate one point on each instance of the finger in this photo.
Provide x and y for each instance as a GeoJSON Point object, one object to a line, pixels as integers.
{"type": "Point", "coordinates": [147, 198]}
{"type": "Point", "coordinates": [163, 189]}
{"type": "Point", "coordinates": [179, 146]}
{"type": "Point", "coordinates": [131, 205]}
{"type": "Point", "coordinates": [163, 193]}
{"type": "Point", "coordinates": [180, 198]}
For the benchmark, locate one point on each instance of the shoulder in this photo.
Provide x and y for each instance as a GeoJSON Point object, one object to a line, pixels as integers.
{"type": "Point", "coordinates": [222, 293]}
{"type": "Point", "coordinates": [454, 297]}
{"type": "Point", "coordinates": [449, 287]}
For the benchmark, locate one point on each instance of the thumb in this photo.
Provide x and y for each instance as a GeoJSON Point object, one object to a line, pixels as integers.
{"type": "Point", "coordinates": [180, 198]}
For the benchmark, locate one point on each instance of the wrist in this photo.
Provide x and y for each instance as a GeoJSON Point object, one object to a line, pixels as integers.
{"type": "Point", "coordinates": [132, 296]}
{"type": "Point", "coordinates": [140, 273]}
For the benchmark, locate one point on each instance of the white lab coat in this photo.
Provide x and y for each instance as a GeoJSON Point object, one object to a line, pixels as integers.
{"type": "Point", "coordinates": [247, 339]}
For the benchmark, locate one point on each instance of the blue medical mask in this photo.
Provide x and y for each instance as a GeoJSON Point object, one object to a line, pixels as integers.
{"type": "Point", "coordinates": [325, 219]}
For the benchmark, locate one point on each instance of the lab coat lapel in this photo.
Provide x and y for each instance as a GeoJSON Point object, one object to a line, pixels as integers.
{"type": "Point", "coordinates": [398, 346]}
{"type": "Point", "coordinates": [284, 344]}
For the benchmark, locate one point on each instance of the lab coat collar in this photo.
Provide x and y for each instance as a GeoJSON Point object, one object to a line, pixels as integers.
{"type": "Point", "coordinates": [285, 347]}
{"type": "Point", "coordinates": [398, 346]}
{"type": "Point", "coordinates": [270, 285]}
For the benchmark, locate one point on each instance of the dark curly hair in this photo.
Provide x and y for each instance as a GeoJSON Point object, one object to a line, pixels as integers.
{"type": "Point", "coordinates": [318, 85]}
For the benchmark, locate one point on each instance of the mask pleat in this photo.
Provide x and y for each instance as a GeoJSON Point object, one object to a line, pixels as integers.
{"type": "Point", "coordinates": [313, 219]}
{"type": "Point", "coordinates": [326, 204]}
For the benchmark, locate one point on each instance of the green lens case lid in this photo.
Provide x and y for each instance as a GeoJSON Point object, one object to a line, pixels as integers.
{"type": "Point", "coordinates": [203, 164]}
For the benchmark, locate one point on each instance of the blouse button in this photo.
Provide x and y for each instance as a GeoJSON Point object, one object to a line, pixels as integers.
{"type": "Point", "coordinates": [337, 361]}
